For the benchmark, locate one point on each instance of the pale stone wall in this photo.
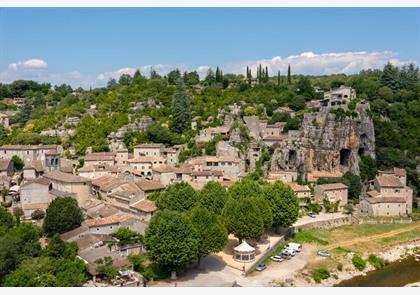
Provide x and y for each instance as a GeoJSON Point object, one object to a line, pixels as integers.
{"type": "Point", "coordinates": [33, 193]}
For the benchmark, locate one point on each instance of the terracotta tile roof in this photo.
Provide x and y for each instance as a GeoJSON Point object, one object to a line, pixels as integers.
{"type": "Point", "coordinates": [107, 183]}
{"type": "Point", "coordinates": [40, 180]}
{"type": "Point", "coordinates": [298, 188]}
{"type": "Point", "coordinates": [400, 171]}
{"type": "Point", "coordinates": [74, 233]}
{"type": "Point", "coordinates": [332, 186]}
{"type": "Point", "coordinates": [207, 173]}
{"type": "Point", "coordinates": [4, 164]}
{"type": "Point", "coordinates": [275, 137]}
{"type": "Point", "coordinates": [36, 164]}
{"type": "Point", "coordinates": [28, 147]}
{"type": "Point", "coordinates": [147, 159]}
{"type": "Point", "coordinates": [113, 219]}
{"type": "Point", "coordinates": [35, 206]}
{"type": "Point", "coordinates": [149, 146]}
{"type": "Point", "coordinates": [91, 203]}
{"type": "Point", "coordinates": [373, 194]}
{"type": "Point", "coordinates": [65, 177]}
{"type": "Point", "coordinates": [388, 181]}
{"type": "Point", "coordinates": [164, 169]}
{"type": "Point", "coordinates": [169, 150]}
{"type": "Point", "coordinates": [150, 185]}
{"type": "Point", "coordinates": [145, 205]}
{"type": "Point", "coordinates": [104, 156]}
{"type": "Point", "coordinates": [381, 200]}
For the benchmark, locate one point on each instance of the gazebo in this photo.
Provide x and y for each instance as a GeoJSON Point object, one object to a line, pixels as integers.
{"type": "Point", "coordinates": [244, 252]}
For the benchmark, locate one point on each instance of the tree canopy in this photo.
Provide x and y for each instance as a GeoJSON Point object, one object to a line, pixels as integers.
{"type": "Point", "coordinates": [178, 197]}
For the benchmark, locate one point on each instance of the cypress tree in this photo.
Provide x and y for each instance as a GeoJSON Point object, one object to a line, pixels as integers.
{"type": "Point", "coordinates": [266, 74]}
{"type": "Point", "coordinates": [278, 78]}
{"type": "Point", "coordinates": [289, 76]}
{"type": "Point", "coordinates": [181, 115]}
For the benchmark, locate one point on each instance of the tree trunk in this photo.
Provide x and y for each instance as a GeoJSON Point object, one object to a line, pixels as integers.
{"type": "Point", "coordinates": [173, 275]}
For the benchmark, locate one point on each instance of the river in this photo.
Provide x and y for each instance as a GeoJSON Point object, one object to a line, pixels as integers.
{"type": "Point", "coordinates": [396, 274]}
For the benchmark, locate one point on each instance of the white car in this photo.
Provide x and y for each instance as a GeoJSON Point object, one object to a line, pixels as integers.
{"type": "Point", "coordinates": [291, 252]}
{"type": "Point", "coordinates": [277, 258]}
{"type": "Point", "coordinates": [294, 246]}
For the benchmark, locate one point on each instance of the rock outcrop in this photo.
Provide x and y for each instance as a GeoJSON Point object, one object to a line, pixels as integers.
{"type": "Point", "coordinates": [326, 143]}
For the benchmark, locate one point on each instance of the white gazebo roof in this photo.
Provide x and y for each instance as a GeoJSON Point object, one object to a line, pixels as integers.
{"type": "Point", "coordinates": [244, 247]}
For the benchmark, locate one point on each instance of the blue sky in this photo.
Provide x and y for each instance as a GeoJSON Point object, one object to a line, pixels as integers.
{"type": "Point", "coordinates": [89, 45]}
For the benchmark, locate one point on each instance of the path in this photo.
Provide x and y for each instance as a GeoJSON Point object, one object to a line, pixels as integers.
{"type": "Point", "coordinates": [372, 238]}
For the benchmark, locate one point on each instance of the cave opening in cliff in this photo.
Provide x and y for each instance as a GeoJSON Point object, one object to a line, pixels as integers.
{"type": "Point", "coordinates": [292, 157]}
{"type": "Point", "coordinates": [361, 151]}
{"type": "Point", "coordinates": [345, 157]}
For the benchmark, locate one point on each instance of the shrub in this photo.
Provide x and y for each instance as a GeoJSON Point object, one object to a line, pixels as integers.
{"type": "Point", "coordinates": [358, 262]}
{"type": "Point", "coordinates": [340, 266]}
{"type": "Point", "coordinates": [376, 261]}
{"type": "Point", "coordinates": [320, 274]}
{"type": "Point", "coordinates": [37, 214]}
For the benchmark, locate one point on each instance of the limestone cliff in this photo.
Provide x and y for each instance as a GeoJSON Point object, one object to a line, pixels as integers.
{"type": "Point", "coordinates": [326, 143]}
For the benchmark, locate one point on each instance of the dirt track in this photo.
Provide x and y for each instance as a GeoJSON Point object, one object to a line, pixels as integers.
{"type": "Point", "coordinates": [373, 237]}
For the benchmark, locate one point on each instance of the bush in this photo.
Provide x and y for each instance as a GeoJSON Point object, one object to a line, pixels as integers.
{"type": "Point", "coordinates": [376, 261]}
{"type": "Point", "coordinates": [340, 266]}
{"type": "Point", "coordinates": [37, 214]}
{"type": "Point", "coordinates": [320, 274]}
{"type": "Point", "coordinates": [358, 262]}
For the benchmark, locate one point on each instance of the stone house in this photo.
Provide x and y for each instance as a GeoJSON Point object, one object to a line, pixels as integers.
{"type": "Point", "coordinates": [97, 170]}
{"type": "Point", "coordinates": [390, 195]}
{"type": "Point", "coordinates": [165, 174]}
{"type": "Point", "coordinates": [67, 183]}
{"type": "Point", "coordinates": [231, 167]}
{"type": "Point", "coordinates": [6, 168]}
{"type": "Point", "coordinates": [208, 134]}
{"type": "Point", "coordinates": [149, 149]}
{"type": "Point", "coordinates": [33, 169]}
{"type": "Point", "coordinates": [34, 195]}
{"type": "Point", "coordinates": [333, 192]}
{"type": "Point", "coordinates": [102, 158]}
{"type": "Point", "coordinates": [121, 157]}
{"type": "Point", "coordinates": [303, 192]}
{"type": "Point", "coordinates": [144, 209]}
{"type": "Point", "coordinates": [205, 176]}
{"type": "Point", "coordinates": [284, 176]}
{"type": "Point", "coordinates": [171, 155]}
{"type": "Point", "coordinates": [19, 101]}
{"type": "Point", "coordinates": [29, 153]}
{"type": "Point", "coordinates": [144, 164]}
{"type": "Point", "coordinates": [338, 97]}
{"type": "Point", "coordinates": [150, 186]}
{"type": "Point", "coordinates": [286, 110]}
{"type": "Point", "coordinates": [109, 225]}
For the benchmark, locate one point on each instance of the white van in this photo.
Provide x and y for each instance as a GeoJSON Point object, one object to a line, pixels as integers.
{"type": "Point", "coordinates": [294, 246]}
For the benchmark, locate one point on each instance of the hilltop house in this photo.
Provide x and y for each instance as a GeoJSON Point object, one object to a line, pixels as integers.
{"type": "Point", "coordinates": [104, 158]}
{"type": "Point", "coordinates": [34, 195]}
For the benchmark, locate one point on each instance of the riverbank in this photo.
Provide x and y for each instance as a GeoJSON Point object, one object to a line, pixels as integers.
{"type": "Point", "coordinates": [303, 277]}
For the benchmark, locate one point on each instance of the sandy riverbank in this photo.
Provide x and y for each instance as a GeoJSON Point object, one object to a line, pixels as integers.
{"type": "Point", "coordinates": [303, 278]}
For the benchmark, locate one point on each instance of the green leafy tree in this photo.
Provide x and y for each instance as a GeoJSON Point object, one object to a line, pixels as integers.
{"type": "Point", "coordinates": [104, 267]}
{"type": "Point", "coordinates": [63, 215]}
{"type": "Point", "coordinates": [18, 164]}
{"type": "Point", "coordinates": [6, 218]}
{"type": "Point", "coordinates": [127, 236]}
{"type": "Point", "coordinates": [284, 204]}
{"type": "Point", "coordinates": [177, 197]}
{"type": "Point", "coordinates": [57, 248]}
{"type": "Point", "coordinates": [213, 196]}
{"type": "Point", "coordinates": [171, 240]}
{"type": "Point", "coordinates": [174, 76]}
{"type": "Point", "coordinates": [212, 235]}
{"type": "Point", "coordinates": [38, 214]}
{"type": "Point", "coordinates": [245, 188]}
{"type": "Point", "coordinates": [265, 211]}
{"type": "Point", "coordinates": [298, 103]}
{"type": "Point", "coordinates": [390, 77]}
{"type": "Point", "coordinates": [368, 168]}
{"type": "Point", "coordinates": [242, 217]}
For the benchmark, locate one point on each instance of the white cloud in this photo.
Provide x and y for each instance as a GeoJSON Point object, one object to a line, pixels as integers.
{"type": "Point", "coordinates": [305, 63]}
{"type": "Point", "coordinates": [321, 64]}
{"type": "Point", "coordinates": [31, 64]}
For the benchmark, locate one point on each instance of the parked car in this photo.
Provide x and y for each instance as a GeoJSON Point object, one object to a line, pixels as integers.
{"type": "Point", "coordinates": [277, 258]}
{"type": "Point", "coordinates": [312, 215]}
{"type": "Point", "coordinates": [261, 267]}
{"type": "Point", "coordinates": [286, 255]}
{"type": "Point", "coordinates": [290, 251]}
{"type": "Point", "coordinates": [324, 253]}
{"type": "Point", "coordinates": [294, 246]}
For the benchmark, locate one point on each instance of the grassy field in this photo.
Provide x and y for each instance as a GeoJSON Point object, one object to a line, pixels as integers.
{"type": "Point", "coordinates": [363, 238]}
